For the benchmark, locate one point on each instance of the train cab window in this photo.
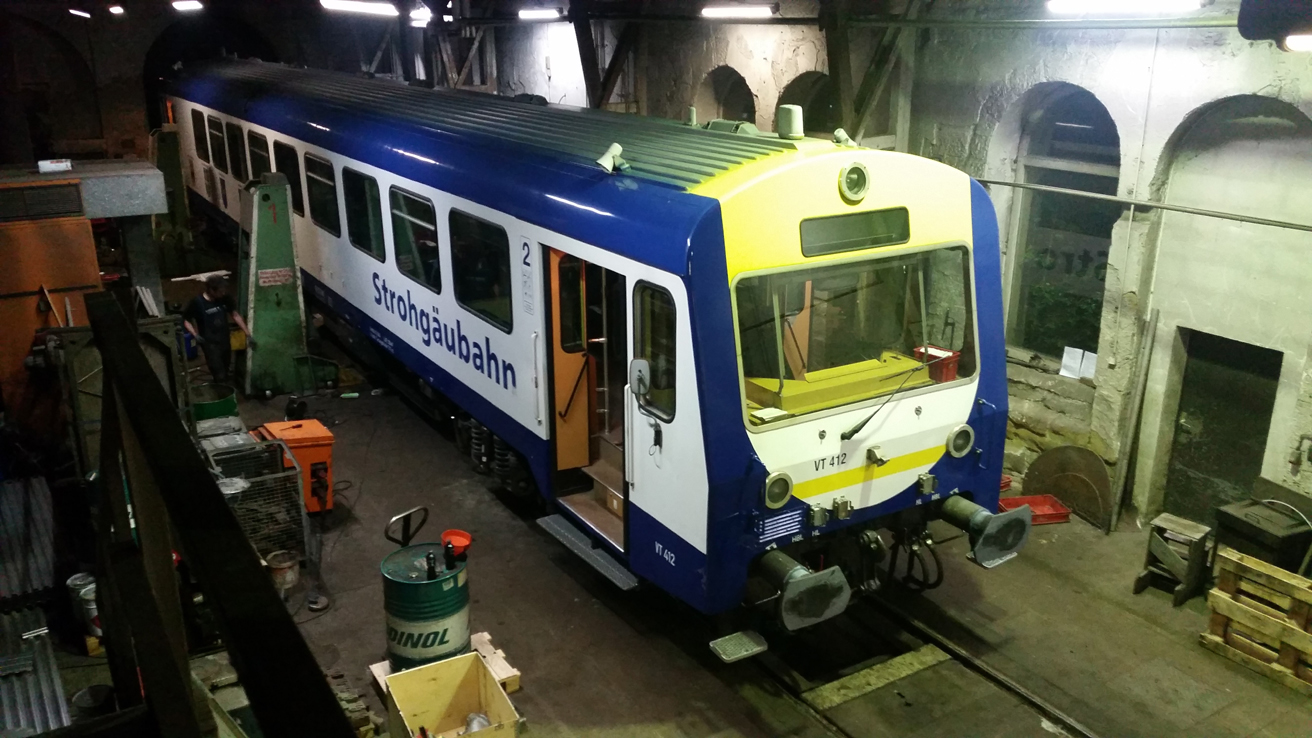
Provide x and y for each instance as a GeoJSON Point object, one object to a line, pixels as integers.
{"type": "Point", "coordinates": [237, 151]}
{"type": "Point", "coordinates": [259, 146]}
{"type": "Point", "coordinates": [364, 218]}
{"type": "Point", "coordinates": [286, 161]}
{"type": "Point", "coordinates": [321, 188]}
{"type": "Point", "coordinates": [414, 230]}
{"type": "Point", "coordinates": [818, 338]}
{"type": "Point", "coordinates": [198, 135]}
{"type": "Point", "coordinates": [218, 148]}
{"type": "Point", "coordinates": [480, 268]}
{"type": "Point", "coordinates": [654, 315]}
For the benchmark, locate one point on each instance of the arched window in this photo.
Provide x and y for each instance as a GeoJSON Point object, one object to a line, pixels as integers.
{"type": "Point", "coordinates": [1069, 141]}
{"type": "Point", "coordinates": [725, 94]}
{"type": "Point", "coordinates": [816, 93]}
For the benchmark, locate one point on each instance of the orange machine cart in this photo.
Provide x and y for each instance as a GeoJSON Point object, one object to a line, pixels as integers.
{"type": "Point", "coordinates": [312, 445]}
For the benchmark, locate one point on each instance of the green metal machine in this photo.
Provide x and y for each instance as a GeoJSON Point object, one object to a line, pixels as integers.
{"type": "Point", "coordinates": [269, 287]}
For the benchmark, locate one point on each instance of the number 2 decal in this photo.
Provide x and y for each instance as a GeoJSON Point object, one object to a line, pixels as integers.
{"type": "Point", "coordinates": [526, 252]}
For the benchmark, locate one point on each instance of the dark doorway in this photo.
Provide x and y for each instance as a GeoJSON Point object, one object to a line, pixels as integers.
{"type": "Point", "coordinates": [1226, 399]}
{"type": "Point", "coordinates": [206, 36]}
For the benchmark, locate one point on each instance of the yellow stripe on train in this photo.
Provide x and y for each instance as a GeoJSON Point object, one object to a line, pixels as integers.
{"type": "Point", "coordinates": [866, 473]}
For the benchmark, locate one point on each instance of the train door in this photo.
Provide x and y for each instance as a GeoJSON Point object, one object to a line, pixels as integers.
{"type": "Point", "coordinates": [590, 355]}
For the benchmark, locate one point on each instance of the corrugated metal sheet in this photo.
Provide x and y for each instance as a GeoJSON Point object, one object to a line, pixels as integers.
{"type": "Point", "coordinates": [656, 148]}
{"type": "Point", "coordinates": [27, 540]}
{"type": "Point", "coordinates": [31, 692]}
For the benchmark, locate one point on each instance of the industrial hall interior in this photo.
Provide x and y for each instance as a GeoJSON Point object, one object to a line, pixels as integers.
{"type": "Point", "coordinates": [656, 368]}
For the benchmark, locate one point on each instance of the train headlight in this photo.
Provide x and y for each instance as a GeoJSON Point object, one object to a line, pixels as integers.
{"type": "Point", "coordinates": [778, 488]}
{"type": "Point", "coordinates": [961, 440]}
{"type": "Point", "coordinates": [854, 182]}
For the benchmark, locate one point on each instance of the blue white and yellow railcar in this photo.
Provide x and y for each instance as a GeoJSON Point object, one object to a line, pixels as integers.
{"type": "Point", "coordinates": [726, 360]}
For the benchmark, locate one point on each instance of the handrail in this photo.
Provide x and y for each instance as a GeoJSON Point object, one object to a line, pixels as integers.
{"type": "Point", "coordinates": [163, 470]}
{"type": "Point", "coordinates": [570, 403]}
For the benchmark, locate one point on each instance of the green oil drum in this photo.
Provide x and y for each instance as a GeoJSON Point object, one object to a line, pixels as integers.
{"type": "Point", "coordinates": [427, 617]}
{"type": "Point", "coordinates": [210, 401]}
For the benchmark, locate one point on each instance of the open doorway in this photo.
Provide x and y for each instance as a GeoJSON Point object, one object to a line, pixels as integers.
{"type": "Point", "coordinates": [1221, 427]}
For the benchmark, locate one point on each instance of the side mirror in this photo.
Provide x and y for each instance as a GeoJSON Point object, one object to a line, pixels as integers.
{"type": "Point", "coordinates": [640, 377]}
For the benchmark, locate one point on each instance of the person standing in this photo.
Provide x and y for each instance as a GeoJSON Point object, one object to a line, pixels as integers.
{"type": "Point", "coordinates": [206, 319]}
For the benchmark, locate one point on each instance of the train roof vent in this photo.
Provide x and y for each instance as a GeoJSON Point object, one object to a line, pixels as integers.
{"type": "Point", "coordinates": [36, 202]}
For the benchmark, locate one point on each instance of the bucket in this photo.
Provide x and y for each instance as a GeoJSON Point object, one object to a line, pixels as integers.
{"type": "Point", "coordinates": [458, 539]}
{"type": "Point", "coordinates": [213, 401]}
{"type": "Point", "coordinates": [75, 585]}
{"type": "Point", "coordinates": [283, 569]}
{"type": "Point", "coordinates": [427, 618]}
{"type": "Point", "coordinates": [89, 611]}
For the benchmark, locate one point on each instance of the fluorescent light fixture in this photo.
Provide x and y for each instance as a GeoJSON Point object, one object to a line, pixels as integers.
{"type": "Point", "coordinates": [79, 13]}
{"type": "Point", "coordinates": [116, 9]}
{"type": "Point", "coordinates": [448, 19]}
{"type": "Point", "coordinates": [738, 11]}
{"type": "Point", "coordinates": [358, 6]}
{"type": "Point", "coordinates": [1299, 42]}
{"type": "Point", "coordinates": [419, 17]}
{"type": "Point", "coordinates": [1117, 7]}
{"type": "Point", "coordinates": [188, 5]}
{"type": "Point", "coordinates": [539, 14]}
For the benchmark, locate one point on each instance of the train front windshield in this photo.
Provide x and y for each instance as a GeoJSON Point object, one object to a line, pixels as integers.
{"type": "Point", "coordinates": [818, 338]}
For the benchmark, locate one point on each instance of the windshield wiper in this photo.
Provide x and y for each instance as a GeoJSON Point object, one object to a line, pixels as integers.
{"type": "Point", "coordinates": [850, 432]}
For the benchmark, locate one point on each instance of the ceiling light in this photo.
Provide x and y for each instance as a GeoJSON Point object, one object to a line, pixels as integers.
{"type": "Point", "coordinates": [739, 11]}
{"type": "Point", "coordinates": [539, 14]}
{"type": "Point", "coordinates": [1113, 7]}
{"type": "Point", "coordinates": [1299, 42]}
{"type": "Point", "coordinates": [116, 9]}
{"type": "Point", "coordinates": [419, 17]}
{"type": "Point", "coordinates": [79, 13]}
{"type": "Point", "coordinates": [188, 5]}
{"type": "Point", "coordinates": [357, 6]}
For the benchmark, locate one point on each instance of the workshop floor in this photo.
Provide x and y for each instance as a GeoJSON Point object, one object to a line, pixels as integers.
{"type": "Point", "coordinates": [597, 662]}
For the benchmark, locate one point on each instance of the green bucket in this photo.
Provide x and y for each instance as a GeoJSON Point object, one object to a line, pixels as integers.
{"type": "Point", "coordinates": [213, 401]}
{"type": "Point", "coordinates": [427, 619]}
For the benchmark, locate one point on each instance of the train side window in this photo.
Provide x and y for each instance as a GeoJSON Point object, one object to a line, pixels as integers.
{"type": "Point", "coordinates": [414, 230]}
{"type": "Point", "coordinates": [654, 314]}
{"type": "Point", "coordinates": [237, 152]}
{"type": "Point", "coordinates": [364, 218]}
{"type": "Point", "coordinates": [321, 187]}
{"type": "Point", "coordinates": [480, 268]}
{"type": "Point", "coordinates": [569, 272]}
{"type": "Point", "coordinates": [218, 148]}
{"type": "Point", "coordinates": [198, 133]}
{"type": "Point", "coordinates": [259, 146]}
{"type": "Point", "coordinates": [287, 162]}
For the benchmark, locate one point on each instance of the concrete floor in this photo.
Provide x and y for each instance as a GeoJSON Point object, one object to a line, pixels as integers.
{"type": "Point", "coordinates": [598, 662]}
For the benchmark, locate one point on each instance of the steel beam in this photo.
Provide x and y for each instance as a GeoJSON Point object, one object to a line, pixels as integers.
{"type": "Point", "coordinates": [834, 24]}
{"type": "Point", "coordinates": [578, 15]}
{"type": "Point", "coordinates": [618, 58]}
{"type": "Point", "coordinates": [286, 688]}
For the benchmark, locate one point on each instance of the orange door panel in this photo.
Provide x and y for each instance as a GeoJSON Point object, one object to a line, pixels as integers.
{"type": "Point", "coordinates": [572, 394]}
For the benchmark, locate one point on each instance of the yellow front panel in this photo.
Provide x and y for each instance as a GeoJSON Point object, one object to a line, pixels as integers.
{"type": "Point", "coordinates": [763, 203]}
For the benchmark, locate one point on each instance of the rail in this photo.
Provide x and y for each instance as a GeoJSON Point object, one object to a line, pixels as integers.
{"type": "Point", "coordinates": [148, 457]}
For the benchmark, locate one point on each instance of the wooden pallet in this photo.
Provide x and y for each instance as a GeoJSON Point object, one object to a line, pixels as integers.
{"type": "Point", "coordinates": [1260, 618]}
{"type": "Point", "coordinates": [481, 643]}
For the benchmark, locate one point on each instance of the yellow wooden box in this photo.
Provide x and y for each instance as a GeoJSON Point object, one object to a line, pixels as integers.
{"type": "Point", "coordinates": [440, 696]}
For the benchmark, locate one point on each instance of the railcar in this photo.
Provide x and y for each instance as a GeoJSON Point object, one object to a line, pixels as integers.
{"type": "Point", "coordinates": [727, 359]}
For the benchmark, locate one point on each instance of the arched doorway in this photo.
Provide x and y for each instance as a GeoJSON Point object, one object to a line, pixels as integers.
{"type": "Point", "coordinates": [209, 35]}
{"type": "Point", "coordinates": [817, 95]}
{"type": "Point", "coordinates": [50, 108]}
{"type": "Point", "coordinates": [725, 94]}
{"type": "Point", "coordinates": [1230, 360]}
{"type": "Point", "coordinates": [1059, 267]}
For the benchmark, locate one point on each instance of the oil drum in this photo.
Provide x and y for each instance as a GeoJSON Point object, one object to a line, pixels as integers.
{"type": "Point", "coordinates": [427, 606]}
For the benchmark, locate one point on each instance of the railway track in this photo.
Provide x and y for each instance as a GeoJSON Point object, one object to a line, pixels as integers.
{"type": "Point", "coordinates": [880, 671]}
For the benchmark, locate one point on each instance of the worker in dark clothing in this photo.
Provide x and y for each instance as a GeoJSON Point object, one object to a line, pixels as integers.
{"type": "Point", "coordinates": [206, 319]}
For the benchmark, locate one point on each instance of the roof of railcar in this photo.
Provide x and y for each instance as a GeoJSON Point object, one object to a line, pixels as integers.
{"type": "Point", "coordinates": [656, 149]}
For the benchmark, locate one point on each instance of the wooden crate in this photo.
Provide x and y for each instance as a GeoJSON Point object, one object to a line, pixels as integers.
{"type": "Point", "coordinates": [1260, 618]}
{"type": "Point", "coordinates": [439, 697]}
{"type": "Point", "coordinates": [481, 643]}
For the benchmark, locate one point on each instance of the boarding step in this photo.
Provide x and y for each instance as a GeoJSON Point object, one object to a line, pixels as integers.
{"type": "Point", "coordinates": [578, 542]}
{"type": "Point", "coordinates": [738, 646]}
